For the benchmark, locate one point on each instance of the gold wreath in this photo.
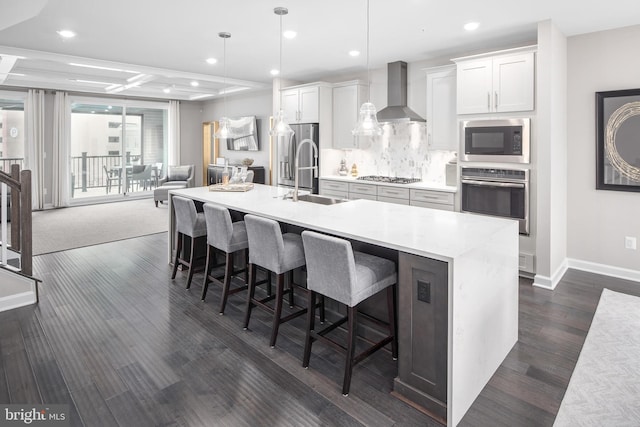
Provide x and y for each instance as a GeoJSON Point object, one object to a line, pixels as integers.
{"type": "Point", "coordinates": [615, 121]}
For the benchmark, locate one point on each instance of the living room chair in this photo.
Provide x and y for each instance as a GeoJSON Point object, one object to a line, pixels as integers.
{"type": "Point", "coordinates": [177, 177]}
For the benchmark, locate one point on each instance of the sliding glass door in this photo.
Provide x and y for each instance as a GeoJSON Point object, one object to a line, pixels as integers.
{"type": "Point", "coordinates": [118, 149]}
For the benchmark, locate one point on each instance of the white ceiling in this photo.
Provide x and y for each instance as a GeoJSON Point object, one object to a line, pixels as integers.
{"type": "Point", "coordinates": [165, 43]}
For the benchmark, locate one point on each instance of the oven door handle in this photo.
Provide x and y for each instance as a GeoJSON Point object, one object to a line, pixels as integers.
{"type": "Point", "coordinates": [494, 183]}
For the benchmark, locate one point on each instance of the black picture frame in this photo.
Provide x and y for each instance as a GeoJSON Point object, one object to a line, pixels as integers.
{"type": "Point", "coordinates": [618, 140]}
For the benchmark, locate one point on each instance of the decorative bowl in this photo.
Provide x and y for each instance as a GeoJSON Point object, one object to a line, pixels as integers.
{"type": "Point", "coordinates": [247, 162]}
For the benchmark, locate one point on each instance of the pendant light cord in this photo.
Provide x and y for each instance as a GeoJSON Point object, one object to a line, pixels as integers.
{"type": "Point", "coordinates": [224, 53]}
{"type": "Point", "coordinates": [368, 70]}
{"type": "Point", "coordinates": [280, 65]}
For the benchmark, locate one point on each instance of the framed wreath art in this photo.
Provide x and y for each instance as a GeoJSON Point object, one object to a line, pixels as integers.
{"type": "Point", "coordinates": [618, 140]}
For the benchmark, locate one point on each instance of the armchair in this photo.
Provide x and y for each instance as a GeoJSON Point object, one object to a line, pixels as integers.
{"type": "Point", "coordinates": [177, 177]}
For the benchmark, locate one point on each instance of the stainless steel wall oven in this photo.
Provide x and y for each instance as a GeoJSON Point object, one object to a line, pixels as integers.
{"type": "Point", "coordinates": [497, 192]}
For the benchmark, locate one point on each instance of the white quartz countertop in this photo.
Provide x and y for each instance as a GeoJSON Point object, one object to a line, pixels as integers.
{"type": "Point", "coordinates": [420, 231]}
{"type": "Point", "coordinates": [423, 185]}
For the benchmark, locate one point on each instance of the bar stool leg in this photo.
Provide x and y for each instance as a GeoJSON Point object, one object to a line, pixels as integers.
{"type": "Point", "coordinates": [250, 293]}
{"type": "Point", "coordinates": [207, 269]}
{"type": "Point", "coordinates": [322, 309]}
{"type": "Point", "coordinates": [191, 262]}
{"type": "Point", "coordinates": [278, 309]}
{"type": "Point", "coordinates": [177, 257]}
{"type": "Point", "coordinates": [352, 313]}
{"type": "Point", "coordinates": [391, 306]}
{"type": "Point", "coordinates": [228, 271]}
{"type": "Point", "coordinates": [311, 308]}
{"type": "Point", "coordinates": [290, 289]}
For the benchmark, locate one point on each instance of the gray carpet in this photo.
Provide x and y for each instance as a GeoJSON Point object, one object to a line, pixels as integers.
{"type": "Point", "coordinates": [67, 228]}
{"type": "Point", "coordinates": [604, 389]}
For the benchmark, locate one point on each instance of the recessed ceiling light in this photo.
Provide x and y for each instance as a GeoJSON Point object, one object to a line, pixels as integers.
{"type": "Point", "coordinates": [211, 61]}
{"type": "Point", "coordinates": [195, 83]}
{"type": "Point", "coordinates": [354, 53]}
{"type": "Point", "coordinates": [274, 72]}
{"type": "Point", "coordinates": [110, 107]}
{"type": "Point", "coordinates": [471, 26]}
{"type": "Point", "coordinates": [289, 34]}
{"type": "Point", "coordinates": [166, 90]}
{"type": "Point", "coordinates": [67, 34]}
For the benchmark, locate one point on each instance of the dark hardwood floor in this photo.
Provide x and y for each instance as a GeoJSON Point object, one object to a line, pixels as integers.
{"type": "Point", "coordinates": [122, 344]}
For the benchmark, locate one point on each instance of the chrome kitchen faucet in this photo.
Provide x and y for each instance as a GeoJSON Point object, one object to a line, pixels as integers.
{"type": "Point", "coordinates": [298, 168]}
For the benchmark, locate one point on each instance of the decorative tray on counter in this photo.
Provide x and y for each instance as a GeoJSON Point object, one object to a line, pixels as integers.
{"type": "Point", "coordinates": [239, 187]}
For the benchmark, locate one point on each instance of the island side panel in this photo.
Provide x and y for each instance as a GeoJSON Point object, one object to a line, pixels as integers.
{"type": "Point", "coordinates": [484, 316]}
{"type": "Point", "coordinates": [423, 321]}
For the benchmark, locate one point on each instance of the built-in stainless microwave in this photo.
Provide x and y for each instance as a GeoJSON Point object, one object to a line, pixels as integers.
{"type": "Point", "coordinates": [496, 140]}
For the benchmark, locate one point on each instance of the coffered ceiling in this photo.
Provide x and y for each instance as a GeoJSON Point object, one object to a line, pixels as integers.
{"type": "Point", "coordinates": [157, 48]}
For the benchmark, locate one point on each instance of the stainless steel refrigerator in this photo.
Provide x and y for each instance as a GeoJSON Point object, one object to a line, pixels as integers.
{"type": "Point", "coordinates": [287, 150]}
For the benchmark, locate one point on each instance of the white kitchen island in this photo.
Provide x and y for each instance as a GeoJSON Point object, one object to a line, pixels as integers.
{"type": "Point", "coordinates": [458, 279]}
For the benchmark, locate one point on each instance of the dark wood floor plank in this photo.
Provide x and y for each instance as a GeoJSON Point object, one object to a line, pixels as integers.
{"type": "Point", "coordinates": [123, 344]}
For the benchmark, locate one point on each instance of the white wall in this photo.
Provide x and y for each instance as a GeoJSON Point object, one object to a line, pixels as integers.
{"type": "Point", "coordinates": [599, 220]}
{"type": "Point", "coordinates": [257, 104]}
{"type": "Point", "coordinates": [551, 156]}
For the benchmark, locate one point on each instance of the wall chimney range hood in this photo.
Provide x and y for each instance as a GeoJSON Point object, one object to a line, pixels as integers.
{"type": "Point", "coordinates": [396, 109]}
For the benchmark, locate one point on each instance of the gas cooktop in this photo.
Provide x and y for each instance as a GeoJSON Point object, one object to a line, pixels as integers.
{"type": "Point", "coordinates": [388, 179]}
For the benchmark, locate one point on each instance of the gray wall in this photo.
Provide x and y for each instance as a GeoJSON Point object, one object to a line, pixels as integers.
{"type": "Point", "coordinates": [599, 220]}
{"type": "Point", "coordinates": [257, 104]}
{"type": "Point", "coordinates": [191, 136]}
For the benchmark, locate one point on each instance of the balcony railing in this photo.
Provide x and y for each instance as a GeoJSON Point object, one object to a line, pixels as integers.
{"type": "Point", "coordinates": [6, 162]}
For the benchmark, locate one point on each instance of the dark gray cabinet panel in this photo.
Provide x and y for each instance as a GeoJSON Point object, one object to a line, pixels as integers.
{"type": "Point", "coordinates": [422, 325]}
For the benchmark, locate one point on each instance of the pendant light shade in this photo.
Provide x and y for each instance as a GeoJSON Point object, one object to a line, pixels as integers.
{"type": "Point", "coordinates": [367, 125]}
{"type": "Point", "coordinates": [280, 126]}
{"type": "Point", "coordinates": [367, 122]}
{"type": "Point", "coordinates": [225, 130]}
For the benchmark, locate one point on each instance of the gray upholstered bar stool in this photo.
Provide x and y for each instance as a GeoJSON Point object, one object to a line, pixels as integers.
{"type": "Point", "coordinates": [228, 237]}
{"type": "Point", "coordinates": [279, 253]}
{"type": "Point", "coordinates": [190, 223]}
{"type": "Point", "coordinates": [336, 271]}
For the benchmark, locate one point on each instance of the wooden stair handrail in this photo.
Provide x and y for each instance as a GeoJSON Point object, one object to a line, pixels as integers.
{"type": "Point", "coordinates": [21, 222]}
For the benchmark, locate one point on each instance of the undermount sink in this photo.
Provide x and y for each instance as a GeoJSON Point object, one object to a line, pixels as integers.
{"type": "Point", "coordinates": [322, 200]}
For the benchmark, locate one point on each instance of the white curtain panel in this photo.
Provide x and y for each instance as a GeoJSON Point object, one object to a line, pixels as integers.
{"type": "Point", "coordinates": [34, 145]}
{"type": "Point", "coordinates": [61, 185]}
{"type": "Point", "coordinates": [174, 132]}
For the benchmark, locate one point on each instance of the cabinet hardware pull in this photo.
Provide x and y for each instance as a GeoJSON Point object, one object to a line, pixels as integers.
{"type": "Point", "coordinates": [489, 101]}
{"type": "Point", "coordinates": [496, 104]}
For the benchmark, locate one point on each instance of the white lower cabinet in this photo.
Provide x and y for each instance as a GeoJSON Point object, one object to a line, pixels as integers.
{"type": "Point", "coordinates": [391, 194]}
{"type": "Point", "coordinates": [334, 188]}
{"type": "Point", "coordinates": [432, 199]}
{"type": "Point", "coordinates": [362, 191]}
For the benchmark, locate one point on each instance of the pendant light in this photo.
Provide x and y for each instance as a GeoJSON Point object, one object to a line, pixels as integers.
{"type": "Point", "coordinates": [367, 125]}
{"type": "Point", "coordinates": [280, 126]}
{"type": "Point", "coordinates": [224, 128]}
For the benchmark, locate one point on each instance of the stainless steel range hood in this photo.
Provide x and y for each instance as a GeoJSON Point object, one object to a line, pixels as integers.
{"type": "Point", "coordinates": [396, 109]}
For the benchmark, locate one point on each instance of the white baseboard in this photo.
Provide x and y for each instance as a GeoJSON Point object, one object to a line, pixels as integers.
{"type": "Point", "coordinates": [550, 283]}
{"type": "Point", "coordinates": [607, 270]}
{"type": "Point", "coordinates": [17, 300]}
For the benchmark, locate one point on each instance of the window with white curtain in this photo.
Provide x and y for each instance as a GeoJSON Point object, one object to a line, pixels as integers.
{"type": "Point", "coordinates": [12, 130]}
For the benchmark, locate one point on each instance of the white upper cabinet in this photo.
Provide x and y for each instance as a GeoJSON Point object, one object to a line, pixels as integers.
{"type": "Point", "coordinates": [347, 98]}
{"type": "Point", "coordinates": [442, 129]}
{"type": "Point", "coordinates": [496, 84]}
{"type": "Point", "coordinates": [301, 105]}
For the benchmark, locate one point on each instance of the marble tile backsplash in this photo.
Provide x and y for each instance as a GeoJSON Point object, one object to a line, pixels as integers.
{"type": "Point", "coordinates": [401, 151]}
